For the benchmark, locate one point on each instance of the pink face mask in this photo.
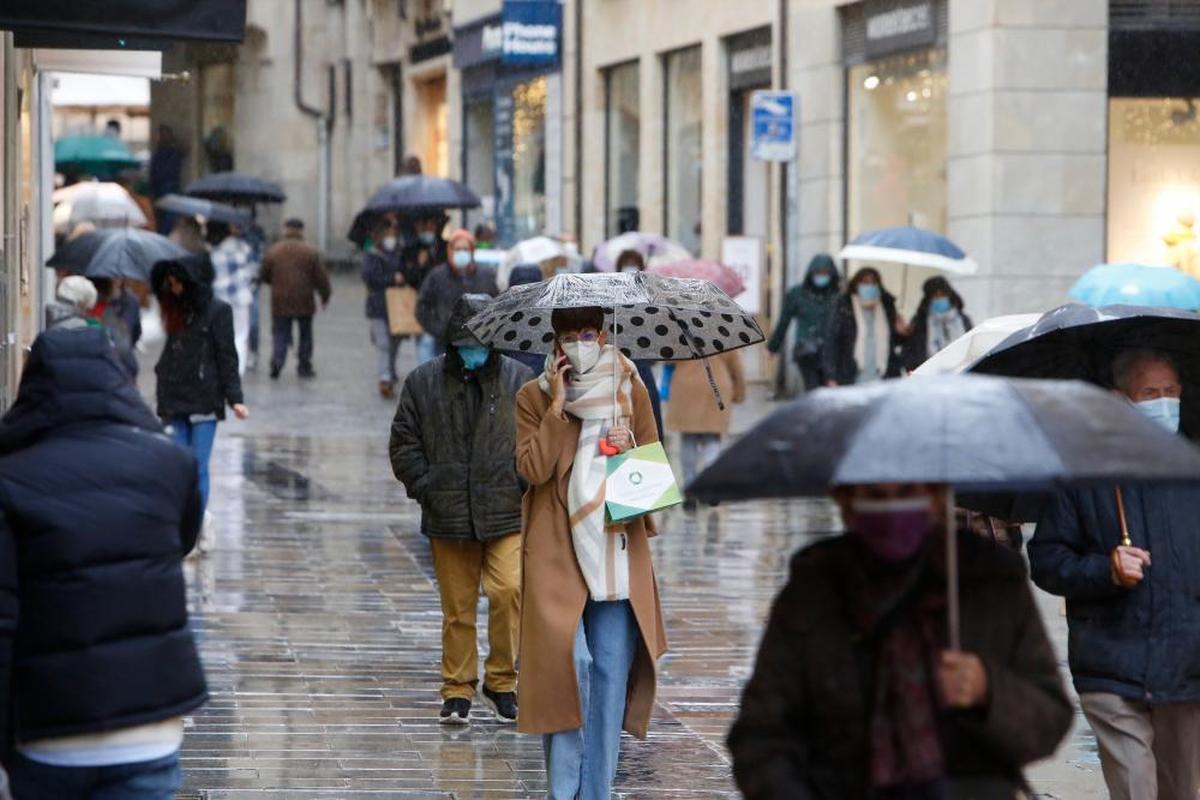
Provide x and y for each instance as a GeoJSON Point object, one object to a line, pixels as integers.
{"type": "Point", "coordinates": [892, 530]}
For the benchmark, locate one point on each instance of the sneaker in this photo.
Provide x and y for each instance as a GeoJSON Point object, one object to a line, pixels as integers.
{"type": "Point", "coordinates": [502, 704]}
{"type": "Point", "coordinates": [307, 373]}
{"type": "Point", "coordinates": [455, 711]}
{"type": "Point", "coordinates": [387, 390]}
{"type": "Point", "coordinates": [252, 361]}
{"type": "Point", "coordinates": [275, 370]}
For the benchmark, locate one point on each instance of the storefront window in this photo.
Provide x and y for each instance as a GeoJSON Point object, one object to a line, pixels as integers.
{"type": "Point", "coordinates": [479, 155]}
{"type": "Point", "coordinates": [433, 145]}
{"type": "Point", "coordinates": [623, 143]}
{"type": "Point", "coordinates": [1154, 181]}
{"type": "Point", "coordinates": [897, 143]}
{"type": "Point", "coordinates": [529, 158]}
{"type": "Point", "coordinates": [685, 159]}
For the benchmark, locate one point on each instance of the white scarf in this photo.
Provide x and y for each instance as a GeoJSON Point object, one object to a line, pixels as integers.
{"type": "Point", "coordinates": [602, 553]}
{"type": "Point", "coordinates": [942, 329]}
{"type": "Point", "coordinates": [883, 336]}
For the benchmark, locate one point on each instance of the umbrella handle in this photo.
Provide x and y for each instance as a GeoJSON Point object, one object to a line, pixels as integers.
{"type": "Point", "coordinates": [1126, 541]}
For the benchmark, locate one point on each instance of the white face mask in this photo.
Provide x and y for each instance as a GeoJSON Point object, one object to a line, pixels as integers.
{"type": "Point", "coordinates": [630, 269]}
{"type": "Point", "coordinates": [582, 355]}
{"type": "Point", "coordinates": [389, 243]}
{"type": "Point", "coordinates": [1163, 410]}
{"type": "Point", "coordinates": [461, 259]}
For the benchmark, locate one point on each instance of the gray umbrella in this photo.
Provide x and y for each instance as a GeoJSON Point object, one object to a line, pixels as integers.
{"type": "Point", "coordinates": [130, 253]}
{"type": "Point", "coordinates": [235, 187]}
{"type": "Point", "coordinates": [657, 318]}
{"type": "Point", "coordinates": [973, 433]}
{"type": "Point", "coordinates": [421, 192]}
{"type": "Point", "coordinates": [209, 209]}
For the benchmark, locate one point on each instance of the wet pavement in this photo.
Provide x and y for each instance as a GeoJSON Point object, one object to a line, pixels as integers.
{"type": "Point", "coordinates": [319, 623]}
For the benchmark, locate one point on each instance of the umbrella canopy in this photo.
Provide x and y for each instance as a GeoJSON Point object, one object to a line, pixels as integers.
{"type": "Point", "coordinates": [972, 345]}
{"type": "Point", "coordinates": [101, 156]}
{"type": "Point", "coordinates": [655, 249]}
{"type": "Point", "coordinates": [102, 203]}
{"type": "Point", "coordinates": [410, 193]}
{"type": "Point", "coordinates": [211, 210]}
{"type": "Point", "coordinates": [911, 247]}
{"type": "Point", "coordinates": [1112, 284]}
{"type": "Point", "coordinates": [669, 319]}
{"type": "Point", "coordinates": [75, 254]}
{"type": "Point", "coordinates": [715, 273]}
{"type": "Point", "coordinates": [131, 253]}
{"type": "Point", "coordinates": [1079, 342]}
{"type": "Point", "coordinates": [536, 250]}
{"type": "Point", "coordinates": [235, 187]}
{"type": "Point", "coordinates": [972, 432]}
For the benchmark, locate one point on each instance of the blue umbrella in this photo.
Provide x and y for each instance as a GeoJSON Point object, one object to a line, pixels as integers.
{"type": "Point", "coordinates": [911, 247]}
{"type": "Point", "coordinates": [1137, 284]}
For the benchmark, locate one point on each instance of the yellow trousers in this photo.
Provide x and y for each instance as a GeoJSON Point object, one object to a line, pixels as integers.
{"type": "Point", "coordinates": [460, 567]}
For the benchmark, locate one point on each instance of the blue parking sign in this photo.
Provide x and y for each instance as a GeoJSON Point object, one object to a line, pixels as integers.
{"type": "Point", "coordinates": [773, 117]}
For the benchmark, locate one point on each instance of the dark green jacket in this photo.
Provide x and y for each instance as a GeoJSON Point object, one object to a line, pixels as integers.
{"type": "Point", "coordinates": [809, 307]}
{"type": "Point", "coordinates": [453, 446]}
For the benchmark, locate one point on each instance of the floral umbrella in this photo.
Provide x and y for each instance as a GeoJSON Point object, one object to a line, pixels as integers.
{"type": "Point", "coordinates": [714, 272]}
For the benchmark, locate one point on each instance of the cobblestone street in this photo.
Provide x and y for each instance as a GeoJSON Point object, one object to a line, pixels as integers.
{"type": "Point", "coordinates": [319, 621]}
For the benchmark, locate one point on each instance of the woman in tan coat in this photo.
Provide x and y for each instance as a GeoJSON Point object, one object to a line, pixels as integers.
{"type": "Point", "coordinates": [591, 625]}
{"type": "Point", "coordinates": [693, 410]}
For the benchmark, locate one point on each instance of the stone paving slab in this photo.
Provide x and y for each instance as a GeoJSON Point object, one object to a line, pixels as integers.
{"type": "Point", "coordinates": [319, 623]}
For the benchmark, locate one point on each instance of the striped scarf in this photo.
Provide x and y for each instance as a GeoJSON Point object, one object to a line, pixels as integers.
{"type": "Point", "coordinates": [602, 553]}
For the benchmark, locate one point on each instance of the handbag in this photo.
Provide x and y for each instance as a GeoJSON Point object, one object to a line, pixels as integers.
{"type": "Point", "coordinates": [638, 482]}
{"type": "Point", "coordinates": [402, 311]}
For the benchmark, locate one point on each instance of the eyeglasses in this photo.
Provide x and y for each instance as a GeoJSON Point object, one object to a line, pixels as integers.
{"type": "Point", "coordinates": [587, 337]}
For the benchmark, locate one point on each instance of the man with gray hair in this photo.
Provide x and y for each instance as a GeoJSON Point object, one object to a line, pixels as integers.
{"type": "Point", "coordinates": [1127, 560]}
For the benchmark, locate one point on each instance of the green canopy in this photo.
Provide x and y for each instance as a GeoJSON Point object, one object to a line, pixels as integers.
{"type": "Point", "coordinates": [101, 156]}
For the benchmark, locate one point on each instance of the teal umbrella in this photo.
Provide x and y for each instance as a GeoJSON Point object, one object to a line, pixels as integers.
{"type": "Point", "coordinates": [101, 156]}
{"type": "Point", "coordinates": [1137, 285]}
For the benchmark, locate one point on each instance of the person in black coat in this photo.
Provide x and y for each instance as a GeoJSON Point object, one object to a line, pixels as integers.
{"type": "Point", "coordinates": [939, 320]}
{"type": "Point", "coordinates": [97, 510]}
{"type": "Point", "coordinates": [1133, 609]}
{"type": "Point", "coordinates": [198, 370]}
{"type": "Point", "coordinates": [865, 333]}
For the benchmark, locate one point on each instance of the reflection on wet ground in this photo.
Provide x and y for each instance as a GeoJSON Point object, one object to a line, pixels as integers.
{"type": "Point", "coordinates": [320, 628]}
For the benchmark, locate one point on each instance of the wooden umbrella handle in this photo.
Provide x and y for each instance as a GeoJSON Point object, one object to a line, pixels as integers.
{"type": "Point", "coordinates": [1125, 540]}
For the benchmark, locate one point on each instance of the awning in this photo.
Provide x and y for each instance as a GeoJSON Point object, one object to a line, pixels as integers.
{"type": "Point", "coordinates": [96, 25]}
{"type": "Point", "coordinates": [140, 64]}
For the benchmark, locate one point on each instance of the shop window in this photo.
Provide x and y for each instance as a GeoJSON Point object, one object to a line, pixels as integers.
{"type": "Point", "coordinates": [479, 155]}
{"type": "Point", "coordinates": [897, 142]}
{"type": "Point", "coordinates": [683, 102]}
{"type": "Point", "coordinates": [529, 158]}
{"type": "Point", "coordinates": [1154, 181]}
{"type": "Point", "coordinates": [623, 136]}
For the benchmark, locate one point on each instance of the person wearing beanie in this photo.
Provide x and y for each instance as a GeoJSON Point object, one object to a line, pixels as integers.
{"type": "Point", "coordinates": [448, 282]}
{"type": "Point", "coordinates": [76, 296]}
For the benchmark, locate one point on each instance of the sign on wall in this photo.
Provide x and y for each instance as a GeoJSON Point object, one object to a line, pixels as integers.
{"type": "Point", "coordinates": [896, 25]}
{"type": "Point", "coordinates": [530, 32]}
{"type": "Point", "coordinates": [743, 254]}
{"type": "Point", "coordinates": [773, 125]}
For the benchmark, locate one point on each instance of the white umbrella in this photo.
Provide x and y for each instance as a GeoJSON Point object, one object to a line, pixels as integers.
{"type": "Point", "coordinates": [972, 345]}
{"type": "Point", "coordinates": [99, 202]}
{"type": "Point", "coordinates": [533, 251]}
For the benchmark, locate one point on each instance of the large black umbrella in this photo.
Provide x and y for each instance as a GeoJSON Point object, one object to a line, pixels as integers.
{"type": "Point", "coordinates": [235, 187]}
{"type": "Point", "coordinates": [972, 433]}
{"type": "Point", "coordinates": [130, 253]}
{"type": "Point", "coordinates": [651, 317]}
{"type": "Point", "coordinates": [410, 193]}
{"type": "Point", "coordinates": [75, 254]}
{"type": "Point", "coordinates": [211, 210]}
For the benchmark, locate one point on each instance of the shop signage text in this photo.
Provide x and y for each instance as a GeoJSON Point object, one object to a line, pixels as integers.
{"type": "Point", "coordinates": [894, 25]}
{"type": "Point", "coordinates": [530, 32]}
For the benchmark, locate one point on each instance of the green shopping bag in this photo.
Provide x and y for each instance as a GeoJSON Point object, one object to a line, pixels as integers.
{"type": "Point", "coordinates": [640, 481]}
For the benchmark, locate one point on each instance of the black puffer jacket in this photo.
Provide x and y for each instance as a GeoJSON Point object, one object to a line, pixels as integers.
{"type": "Point", "coordinates": [97, 509]}
{"type": "Point", "coordinates": [837, 357]}
{"type": "Point", "coordinates": [198, 370]}
{"type": "Point", "coordinates": [453, 446]}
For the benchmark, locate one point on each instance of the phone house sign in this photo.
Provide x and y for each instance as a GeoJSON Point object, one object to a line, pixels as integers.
{"type": "Point", "coordinates": [527, 33]}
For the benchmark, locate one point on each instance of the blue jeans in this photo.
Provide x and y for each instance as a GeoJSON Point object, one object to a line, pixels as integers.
{"type": "Point", "coordinates": [428, 348]}
{"type": "Point", "coordinates": [199, 437]}
{"type": "Point", "coordinates": [148, 780]}
{"type": "Point", "coordinates": [582, 763]}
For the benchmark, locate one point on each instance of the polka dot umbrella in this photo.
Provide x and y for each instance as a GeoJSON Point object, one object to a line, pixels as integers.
{"type": "Point", "coordinates": [648, 316]}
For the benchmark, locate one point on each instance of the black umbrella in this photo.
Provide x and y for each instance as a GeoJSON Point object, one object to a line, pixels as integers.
{"type": "Point", "coordinates": [410, 193]}
{"type": "Point", "coordinates": [131, 253]}
{"type": "Point", "coordinates": [211, 210]}
{"type": "Point", "coordinates": [235, 187]}
{"type": "Point", "coordinates": [75, 254]}
{"type": "Point", "coordinates": [365, 223]}
{"type": "Point", "coordinates": [972, 433]}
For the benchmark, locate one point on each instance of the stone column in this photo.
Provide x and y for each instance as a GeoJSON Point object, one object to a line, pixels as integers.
{"type": "Point", "coordinates": [1028, 147]}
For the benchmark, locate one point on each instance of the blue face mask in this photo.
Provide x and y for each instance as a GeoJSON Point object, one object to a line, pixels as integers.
{"type": "Point", "coordinates": [869, 291]}
{"type": "Point", "coordinates": [461, 259]}
{"type": "Point", "coordinates": [474, 356]}
{"type": "Point", "coordinates": [427, 237]}
{"type": "Point", "coordinates": [940, 305]}
{"type": "Point", "coordinates": [821, 279]}
{"type": "Point", "coordinates": [1163, 410]}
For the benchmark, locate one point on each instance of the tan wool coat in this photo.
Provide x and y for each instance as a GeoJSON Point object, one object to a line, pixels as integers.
{"type": "Point", "coordinates": [693, 407]}
{"type": "Point", "coordinates": [554, 592]}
